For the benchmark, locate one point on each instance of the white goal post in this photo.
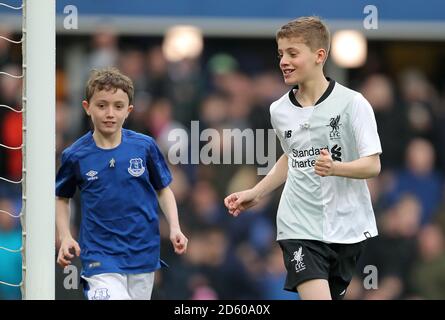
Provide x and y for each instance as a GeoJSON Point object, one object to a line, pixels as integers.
{"type": "Point", "coordinates": [38, 204]}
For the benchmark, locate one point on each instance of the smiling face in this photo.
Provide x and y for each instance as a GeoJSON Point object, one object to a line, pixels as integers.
{"type": "Point", "coordinates": [108, 110]}
{"type": "Point", "coordinates": [298, 62]}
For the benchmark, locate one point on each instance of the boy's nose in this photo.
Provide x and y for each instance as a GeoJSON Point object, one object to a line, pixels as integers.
{"type": "Point", "coordinates": [110, 113]}
{"type": "Point", "coordinates": [283, 62]}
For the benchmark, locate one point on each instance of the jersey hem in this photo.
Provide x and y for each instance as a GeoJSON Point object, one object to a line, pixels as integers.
{"type": "Point", "coordinates": [352, 241]}
{"type": "Point", "coordinates": [118, 270]}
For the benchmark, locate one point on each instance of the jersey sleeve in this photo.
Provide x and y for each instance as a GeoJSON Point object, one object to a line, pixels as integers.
{"type": "Point", "coordinates": [277, 132]}
{"type": "Point", "coordinates": [66, 178]}
{"type": "Point", "coordinates": [364, 127]}
{"type": "Point", "coordinates": [160, 176]}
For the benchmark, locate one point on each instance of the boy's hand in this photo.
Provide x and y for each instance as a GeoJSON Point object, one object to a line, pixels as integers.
{"type": "Point", "coordinates": [179, 241]}
{"type": "Point", "coordinates": [240, 201]}
{"type": "Point", "coordinates": [324, 166]}
{"type": "Point", "coordinates": [65, 256]}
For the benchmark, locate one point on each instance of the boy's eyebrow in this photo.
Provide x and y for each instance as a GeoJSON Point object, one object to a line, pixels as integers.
{"type": "Point", "coordinates": [107, 101]}
{"type": "Point", "coordinates": [289, 49]}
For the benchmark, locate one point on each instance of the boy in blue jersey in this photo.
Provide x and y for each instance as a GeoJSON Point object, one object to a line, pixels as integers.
{"type": "Point", "coordinates": [122, 177]}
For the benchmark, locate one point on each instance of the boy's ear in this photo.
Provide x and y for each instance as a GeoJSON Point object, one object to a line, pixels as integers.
{"type": "Point", "coordinates": [321, 56]}
{"type": "Point", "coordinates": [130, 108]}
{"type": "Point", "coordinates": [86, 106]}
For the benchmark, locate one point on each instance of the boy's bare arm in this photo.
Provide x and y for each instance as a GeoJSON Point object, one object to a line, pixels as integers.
{"type": "Point", "coordinates": [63, 218]}
{"type": "Point", "coordinates": [67, 243]}
{"type": "Point", "coordinates": [168, 206]}
{"type": "Point", "coordinates": [167, 203]}
{"type": "Point", "coordinates": [240, 201]}
{"type": "Point", "coordinates": [363, 168]}
{"type": "Point", "coordinates": [275, 178]}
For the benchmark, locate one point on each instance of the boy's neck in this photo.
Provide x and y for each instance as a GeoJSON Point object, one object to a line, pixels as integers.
{"type": "Point", "coordinates": [310, 91]}
{"type": "Point", "coordinates": [107, 142]}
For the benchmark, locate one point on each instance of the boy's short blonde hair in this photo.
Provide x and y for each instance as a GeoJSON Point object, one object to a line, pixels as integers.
{"type": "Point", "coordinates": [109, 79]}
{"type": "Point", "coordinates": [311, 30]}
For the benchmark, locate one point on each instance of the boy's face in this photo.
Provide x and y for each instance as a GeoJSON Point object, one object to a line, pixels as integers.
{"type": "Point", "coordinates": [108, 110]}
{"type": "Point", "coordinates": [297, 61]}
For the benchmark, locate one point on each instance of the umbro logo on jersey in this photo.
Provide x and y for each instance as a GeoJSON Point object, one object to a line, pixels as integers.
{"type": "Point", "coordinates": [92, 175]}
{"type": "Point", "coordinates": [335, 124]}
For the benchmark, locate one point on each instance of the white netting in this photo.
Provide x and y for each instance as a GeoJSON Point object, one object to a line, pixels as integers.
{"type": "Point", "coordinates": [3, 146]}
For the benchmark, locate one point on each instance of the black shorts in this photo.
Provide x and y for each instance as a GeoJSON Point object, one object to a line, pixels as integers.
{"type": "Point", "coordinates": [311, 259]}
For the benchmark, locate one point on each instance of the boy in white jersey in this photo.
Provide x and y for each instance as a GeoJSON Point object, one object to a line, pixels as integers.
{"type": "Point", "coordinates": [329, 137]}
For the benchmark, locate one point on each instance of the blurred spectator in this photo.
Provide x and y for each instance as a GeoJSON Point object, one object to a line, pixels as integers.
{"type": "Point", "coordinates": [376, 191]}
{"type": "Point", "coordinates": [63, 133]}
{"type": "Point", "coordinates": [158, 122]}
{"type": "Point", "coordinates": [181, 188]}
{"type": "Point", "coordinates": [419, 178]}
{"type": "Point", "coordinates": [390, 117]}
{"type": "Point", "coordinates": [206, 210]}
{"type": "Point", "coordinates": [185, 90]}
{"type": "Point", "coordinates": [218, 260]}
{"type": "Point", "coordinates": [274, 277]}
{"type": "Point", "coordinates": [393, 252]}
{"type": "Point", "coordinates": [11, 136]}
{"type": "Point", "coordinates": [11, 88]}
{"type": "Point", "coordinates": [267, 87]}
{"type": "Point", "coordinates": [421, 100]}
{"type": "Point", "coordinates": [105, 51]}
{"type": "Point", "coordinates": [428, 275]}
{"type": "Point", "coordinates": [157, 73]}
{"type": "Point", "coordinates": [10, 124]}
{"type": "Point", "coordinates": [132, 64]}
{"type": "Point", "coordinates": [214, 111]}
{"type": "Point", "coordinates": [5, 47]}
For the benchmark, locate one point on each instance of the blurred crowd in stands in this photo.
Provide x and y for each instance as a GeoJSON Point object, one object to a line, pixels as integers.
{"type": "Point", "coordinates": [238, 258]}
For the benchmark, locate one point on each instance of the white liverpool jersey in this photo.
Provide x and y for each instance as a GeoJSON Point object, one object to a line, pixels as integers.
{"type": "Point", "coordinates": [329, 209]}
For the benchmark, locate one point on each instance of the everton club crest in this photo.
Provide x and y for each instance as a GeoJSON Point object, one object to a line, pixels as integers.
{"type": "Point", "coordinates": [136, 167]}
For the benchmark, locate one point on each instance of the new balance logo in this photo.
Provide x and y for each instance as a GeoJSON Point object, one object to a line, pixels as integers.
{"type": "Point", "coordinates": [336, 153]}
{"type": "Point", "coordinates": [92, 175]}
{"type": "Point", "coordinates": [298, 259]}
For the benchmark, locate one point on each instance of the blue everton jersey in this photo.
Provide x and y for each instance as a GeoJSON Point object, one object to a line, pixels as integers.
{"type": "Point", "coordinates": [119, 229]}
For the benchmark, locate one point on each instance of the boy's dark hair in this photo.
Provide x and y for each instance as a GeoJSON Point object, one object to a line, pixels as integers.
{"type": "Point", "coordinates": [313, 32]}
{"type": "Point", "coordinates": [109, 79]}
